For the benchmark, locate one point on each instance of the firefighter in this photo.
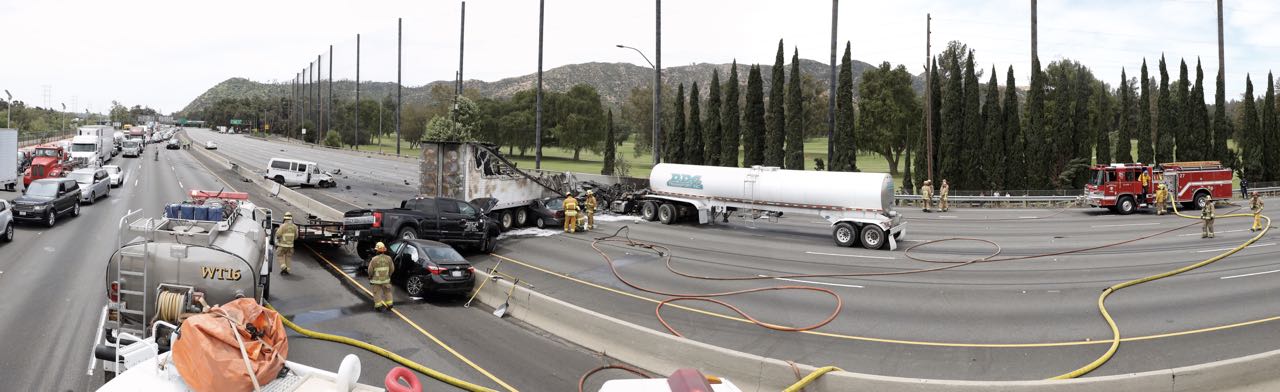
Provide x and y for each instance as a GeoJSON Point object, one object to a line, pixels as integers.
{"type": "Point", "coordinates": [1255, 205]}
{"type": "Point", "coordinates": [1162, 194]}
{"type": "Point", "coordinates": [570, 213]}
{"type": "Point", "coordinates": [590, 206]}
{"type": "Point", "coordinates": [285, 235]}
{"type": "Point", "coordinates": [380, 269]}
{"type": "Point", "coordinates": [1145, 179]}
{"type": "Point", "coordinates": [926, 192]}
{"type": "Point", "coordinates": [942, 195]}
{"type": "Point", "coordinates": [1207, 216]}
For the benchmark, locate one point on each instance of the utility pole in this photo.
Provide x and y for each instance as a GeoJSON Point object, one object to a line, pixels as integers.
{"type": "Point", "coordinates": [356, 142]}
{"type": "Point", "coordinates": [657, 83]}
{"type": "Point", "coordinates": [399, 62]}
{"type": "Point", "coordinates": [1035, 54]}
{"type": "Point", "coordinates": [831, 99]}
{"type": "Point", "coordinates": [328, 105]}
{"type": "Point", "coordinates": [462, 34]}
{"type": "Point", "coordinates": [928, 95]}
{"type": "Point", "coordinates": [537, 136]}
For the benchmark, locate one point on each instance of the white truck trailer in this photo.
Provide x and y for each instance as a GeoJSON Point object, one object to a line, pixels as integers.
{"type": "Point", "coordinates": [9, 159]}
{"type": "Point", "coordinates": [859, 206]}
{"type": "Point", "coordinates": [92, 144]}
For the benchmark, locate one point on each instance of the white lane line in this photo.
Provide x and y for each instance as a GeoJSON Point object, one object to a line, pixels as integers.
{"type": "Point", "coordinates": [1224, 231]}
{"type": "Point", "coordinates": [180, 184]}
{"type": "Point", "coordinates": [1227, 249]}
{"type": "Point", "coordinates": [1253, 274]}
{"type": "Point", "coordinates": [852, 286]}
{"type": "Point", "coordinates": [847, 255]}
{"type": "Point", "coordinates": [1028, 217]}
{"type": "Point", "coordinates": [1127, 224]}
{"type": "Point", "coordinates": [135, 183]}
{"type": "Point", "coordinates": [948, 216]}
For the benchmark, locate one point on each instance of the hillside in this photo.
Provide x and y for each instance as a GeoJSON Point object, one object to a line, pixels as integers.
{"type": "Point", "coordinates": [613, 80]}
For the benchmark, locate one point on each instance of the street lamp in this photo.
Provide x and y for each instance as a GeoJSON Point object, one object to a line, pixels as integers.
{"type": "Point", "coordinates": [8, 110]}
{"type": "Point", "coordinates": [657, 104]}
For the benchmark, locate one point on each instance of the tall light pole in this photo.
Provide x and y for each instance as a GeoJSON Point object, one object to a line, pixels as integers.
{"type": "Point", "coordinates": [356, 142]}
{"type": "Point", "coordinates": [8, 109]}
{"type": "Point", "coordinates": [657, 108]}
{"type": "Point", "coordinates": [831, 97]}
{"type": "Point", "coordinates": [537, 135]}
{"type": "Point", "coordinates": [399, 53]}
{"type": "Point", "coordinates": [657, 83]}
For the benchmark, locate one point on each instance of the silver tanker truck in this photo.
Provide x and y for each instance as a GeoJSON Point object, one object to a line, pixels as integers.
{"type": "Point", "coordinates": [211, 249]}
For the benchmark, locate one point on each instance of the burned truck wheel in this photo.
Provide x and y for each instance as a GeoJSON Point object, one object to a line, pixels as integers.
{"type": "Point", "coordinates": [667, 213]}
{"type": "Point", "coordinates": [872, 236]}
{"type": "Point", "coordinates": [844, 234]}
{"type": "Point", "coordinates": [507, 220]}
{"type": "Point", "coordinates": [522, 216]}
{"type": "Point", "coordinates": [649, 211]}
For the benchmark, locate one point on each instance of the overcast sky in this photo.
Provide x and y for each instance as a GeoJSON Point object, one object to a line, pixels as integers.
{"type": "Point", "coordinates": [164, 53]}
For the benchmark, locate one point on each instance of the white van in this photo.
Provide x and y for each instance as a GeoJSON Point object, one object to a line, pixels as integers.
{"type": "Point", "coordinates": [296, 172]}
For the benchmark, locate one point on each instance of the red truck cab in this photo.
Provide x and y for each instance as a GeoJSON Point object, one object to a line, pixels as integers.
{"type": "Point", "coordinates": [47, 161]}
{"type": "Point", "coordinates": [1118, 187]}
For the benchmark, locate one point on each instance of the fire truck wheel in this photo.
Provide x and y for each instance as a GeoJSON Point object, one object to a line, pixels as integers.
{"type": "Point", "coordinates": [1202, 199]}
{"type": "Point", "coordinates": [844, 234]}
{"type": "Point", "coordinates": [1125, 206]}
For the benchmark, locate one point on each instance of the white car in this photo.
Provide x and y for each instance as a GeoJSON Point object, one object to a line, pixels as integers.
{"type": "Point", "coordinates": [6, 219]}
{"type": "Point", "coordinates": [94, 184]}
{"type": "Point", "coordinates": [115, 175]}
{"type": "Point", "coordinates": [210, 145]}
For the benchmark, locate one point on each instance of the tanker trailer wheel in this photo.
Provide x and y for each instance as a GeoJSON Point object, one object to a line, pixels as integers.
{"type": "Point", "coordinates": [1125, 206]}
{"type": "Point", "coordinates": [667, 213]}
{"type": "Point", "coordinates": [844, 234]}
{"type": "Point", "coordinates": [522, 216]}
{"type": "Point", "coordinates": [872, 236]}
{"type": "Point", "coordinates": [506, 219]}
{"type": "Point", "coordinates": [649, 211]}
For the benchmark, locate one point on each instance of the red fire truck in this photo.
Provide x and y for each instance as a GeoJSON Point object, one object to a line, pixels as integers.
{"type": "Point", "coordinates": [1118, 187]}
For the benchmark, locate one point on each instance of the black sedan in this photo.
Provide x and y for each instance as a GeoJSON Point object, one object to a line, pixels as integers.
{"type": "Point", "coordinates": [46, 199]}
{"type": "Point", "coordinates": [423, 266]}
{"type": "Point", "coordinates": [173, 144]}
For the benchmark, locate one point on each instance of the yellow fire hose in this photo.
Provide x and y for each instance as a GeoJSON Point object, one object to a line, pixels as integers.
{"type": "Point", "coordinates": [809, 379]}
{"type": "Point", "coordinates": [1102, 307]}
{"type": "Point", "coordinates": [447, 379]}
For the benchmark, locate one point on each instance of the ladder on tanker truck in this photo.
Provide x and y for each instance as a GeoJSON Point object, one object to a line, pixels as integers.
{"type": "Point", "coordinates": [124, 273]}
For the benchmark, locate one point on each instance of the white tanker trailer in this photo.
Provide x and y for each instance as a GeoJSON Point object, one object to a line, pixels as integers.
{"type": "Point", "coordinates": [858, 205]}
{"type": "Point", "coordinates": [212, 249]}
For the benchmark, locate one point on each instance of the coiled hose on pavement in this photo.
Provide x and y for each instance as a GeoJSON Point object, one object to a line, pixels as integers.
{"type": "Point", "coordinates": [445, 378]}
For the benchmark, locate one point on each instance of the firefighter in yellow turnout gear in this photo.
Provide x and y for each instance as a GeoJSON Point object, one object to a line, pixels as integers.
{"type": "Point", "coordinates": [380, 270]}
{"type": "Point", "coordinates": [570, 213]}
{"type": "Point", "coordinates": [1162, 195]}
{"type": "Point", "coordinates": [1255, 205]}
{"type": "Point", "coordinates": [285, 234]}
{"type": "Point", "coordinates": [590, 206]}
{"type": "Point", "coordinates": [1207, 216]}
{"type": "Point", "coordinates": [942, 195]}
{"type": "Point", "coordinates": [926, 192]}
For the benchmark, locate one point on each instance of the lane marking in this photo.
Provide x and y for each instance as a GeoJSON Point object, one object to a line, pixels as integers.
{"type": "Point", "coordinates": [1253, 274]}
{"type": "Point", "coordinates": [1226, 249]}
{"type": "Point", "coordinates": [847, 255]}
{"type": "Point", "coordinates": [813, 282]}
{"type": "Point", "coordinates": [948, 216]}
{"type": "Point", "coordinates": [1028, 217]}
{"type": "Point", "coordinates": [1127, 224]}
{"type": "Point", "coordinates": [897, 341]}
{"type": "Point", "coordinates": [1224, 231]}
{"type": "Point", "coordinates": [180, 184]}
{"type": "Point", "coordinates": [135, 183]}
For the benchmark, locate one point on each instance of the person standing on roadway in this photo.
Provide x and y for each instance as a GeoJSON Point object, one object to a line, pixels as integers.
{"type": "Point", "coordinates": [1145, 180]}
{"type": "Point", "coordinates": [942, 195]}
{"type": "Point", "coordinates": [1207, 216]}
{"type": "Point", "coordinates": [590, 206]}
{"type": "Point", "coordinates": [1255, 204]}
{"type": "Point", "coordinates": [570, 213]}
{"type": "Point", "coordinates": [926, 192]}
{"type": "Point", "coordinates": [380, 269]}
{"type": "Point", "coordinates": [1162, 194]}
{"type": "Point", "coordinates": [285, 234]}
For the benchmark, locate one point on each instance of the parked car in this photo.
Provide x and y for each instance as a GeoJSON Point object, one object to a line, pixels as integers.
{"type": "Point", "coordinates": [6, 219]}
{"type": "Point", "coordinates": [94, 183]}
{"type": "Point", "coordinates": [446, 220]}
{"type": "Point", "coordinates": [296, 172]}
{"type": "Point", "coordinates": [46, 199]}
{"type": "Point", "coordinates": [115, 175]}
{"type": "Point", "coordinates": [547, 212]}
{"type": "Point", "coordinates": [210, 145]}
{"type": "Point", "coordinates": [173, 144]}
{"type": "Point", "coordinates": [425, 266]}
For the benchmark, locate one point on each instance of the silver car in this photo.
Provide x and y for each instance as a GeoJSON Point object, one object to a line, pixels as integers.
{"type": "Point", "coordinates": [6, 219]}
{"type": "Point", "coordinates": [94, 183]}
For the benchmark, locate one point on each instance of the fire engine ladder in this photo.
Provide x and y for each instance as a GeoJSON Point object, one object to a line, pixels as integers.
{"type": "Point", "coordinates": [132, 266]}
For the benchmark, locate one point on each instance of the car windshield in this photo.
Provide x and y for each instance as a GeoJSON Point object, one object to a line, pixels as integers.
{"type": "Point", "coordinates": [444, 255]}
{"type": "Point", "coordinates": [46, 152]}
{"type": "Point", "coordinates": [556, 204]}
{"type": "Point", "coordinates": [112, 169]}
{"type": "Point", "coordinates": [45, 189]}
{"type": "Point", "coordinates": [131, 144]}
{"type": "Point", "coordinates": [83, 178]}
{"type": "Point", "coordinates": [84, 147]}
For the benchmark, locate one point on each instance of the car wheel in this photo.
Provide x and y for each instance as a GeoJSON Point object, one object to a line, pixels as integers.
{"type": "Point", "coordinates": [75, 211]}
{"type": "Point", "coordinates": [542, 224]}
{"type": "Point", "coordinates": [278, 179]}
{"type": "Point", "coordinates": [649, 211]}
{"type": "Point", "coordinates": [108, 194]}
{"type": "Point", "coordinates": [872, 236]}
{"type": "Point", "coordinates": [408, 233]}
{"type": "Point", "coordinates": [507, 220]}
{"type": "Point", "coordinates": [51, 219]}
{"type": "Point", "coordinates": [522, 216]}
{"type": "Point", "coordinates": [415, 286]}
{"type": "Point", "coordinates": [844, 234]}
{"type": "Point", "coordinates": [667, 213]}
{"type": "Point", "coordinates": [8, 232]}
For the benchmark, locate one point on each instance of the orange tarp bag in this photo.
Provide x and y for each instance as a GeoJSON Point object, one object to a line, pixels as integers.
{"type": "Point", "coordinates": [215, 349]}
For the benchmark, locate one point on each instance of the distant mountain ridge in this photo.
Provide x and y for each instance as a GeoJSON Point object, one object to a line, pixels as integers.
{"type": "Point", "coordinates": [613, 81]}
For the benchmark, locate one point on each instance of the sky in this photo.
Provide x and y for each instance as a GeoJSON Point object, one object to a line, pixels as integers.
{"type": "Point", "coordinates": [162, 54]}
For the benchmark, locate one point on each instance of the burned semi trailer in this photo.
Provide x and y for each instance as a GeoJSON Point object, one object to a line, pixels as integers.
{"type": "Point", "coordinates": [472, 171]}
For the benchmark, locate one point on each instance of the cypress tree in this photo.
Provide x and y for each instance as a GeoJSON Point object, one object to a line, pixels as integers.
{"type": "Point", "coordinates": [936, 117]}
{"type": "Point", "coordinates": [693, 147]}
{"type": "Point", "coordinates": [1201, 136]}
{"type": "Point", "coordinates": [776, 125]}
{"type": "Point", "coordinates": [1015, 157]}
{"type": "Point", "coordinates": [952, 140]}
{"type": "Point", "coordinates": [1144, 135]}
{"type": "Point", "coordinates": [794, 150]}
{"type": "Point", "coordinates": [1222, 126]}
{"type": "Point", "coordinates": [846, 158]}
{"type": "Point", "coordinates": [1038, 176]}
{"type": "Point", "coordinates": [1268, 121]}
{"type": "Point", "coordinates": [1251, 146]}
{"type": "Point", "coordinates": [753, 120]}
{"type": "Point", "coordinates": [971, 153]}
{"type": "Point", "coordinates": [675, 138]}
{"type": "Point", "coordinates": [1184, 146]}
{"type": "Point", "coordinates": [1101, 122]}
{"type": "Point", "coordinates": [713, 128]}
{"type": "Point", "coordinates": [993, 144]}
{"type": "Point", "coordinates": [730, 120]}
{"type": "Point", "coordinates": [1164, 118]}
{"type": "Point", "coordinates": [1123, 152]}
{"type": "Point", "coordinates": [610, 147]}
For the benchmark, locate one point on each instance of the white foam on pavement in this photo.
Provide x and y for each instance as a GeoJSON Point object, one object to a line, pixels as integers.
{"type": "Point", "coordinates": [618, 218]}
{"type": "Point", "coordinates": [529, 232]}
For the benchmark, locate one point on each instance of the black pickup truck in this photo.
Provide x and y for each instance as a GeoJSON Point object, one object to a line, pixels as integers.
{"type": "Point", "coordinates": [450, 221]}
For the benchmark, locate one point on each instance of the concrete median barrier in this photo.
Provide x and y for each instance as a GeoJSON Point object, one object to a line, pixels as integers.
{"type": "Point", "coordinates": [294, 198]}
